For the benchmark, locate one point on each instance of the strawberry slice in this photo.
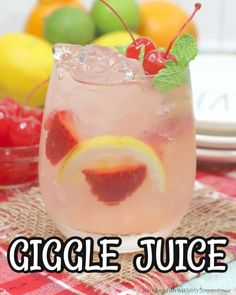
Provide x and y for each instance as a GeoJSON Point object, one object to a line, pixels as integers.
{"type": "Point", "coordinates": [113, 186]}
{"type": "Point", "coordinates": [62, 136]}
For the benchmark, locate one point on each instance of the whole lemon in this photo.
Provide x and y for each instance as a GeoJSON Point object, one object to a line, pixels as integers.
{"type": "Point", "coordinates": [25, 62]}
{"type": "Point", "coordinates": [161, 19]}
{"type": "Point", "coordinates": [115, 38]}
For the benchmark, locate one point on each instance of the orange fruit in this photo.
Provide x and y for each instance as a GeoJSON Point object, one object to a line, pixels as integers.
{"type": "Point", "coordinates": [161, 20]}
{"type": "Point", "coordinates": [35, 22]}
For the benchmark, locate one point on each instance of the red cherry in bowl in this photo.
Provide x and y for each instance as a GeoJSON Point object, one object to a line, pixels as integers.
{"type": "Point", "coordinates": [134, 49]}
{"type": "Point", "coordinates": [5, 124]}
{"type": "Point", "coordinates": [34, 113]}
{"type": "Point", "coordinates": [25, 132]}
{"type": "Point", "coordinates": [155, 60]}
{"type": "Point", "coordinates": [11, 106]}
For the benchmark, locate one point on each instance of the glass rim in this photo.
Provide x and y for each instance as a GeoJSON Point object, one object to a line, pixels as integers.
{"type": "Point", "coordinates": [136, 79]}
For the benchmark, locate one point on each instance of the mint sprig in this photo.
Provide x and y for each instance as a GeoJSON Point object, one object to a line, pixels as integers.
{"type": "Point", "coordinates": [170, 77]}
{"type": "Point", "coordinates": [176, 74]}
{"type": "Point", "coordinates": [185, 50]}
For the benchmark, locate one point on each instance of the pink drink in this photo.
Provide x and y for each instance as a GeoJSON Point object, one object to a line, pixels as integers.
{"type": "Point", "coordinates": [117, 157]}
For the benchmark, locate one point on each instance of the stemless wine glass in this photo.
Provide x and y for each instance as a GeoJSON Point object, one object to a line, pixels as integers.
{"type": "Point", "coordinates": [117, 157]}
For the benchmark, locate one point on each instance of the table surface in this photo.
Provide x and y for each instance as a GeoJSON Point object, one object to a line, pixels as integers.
{"type": "Point", "coordinates": [221, 178]}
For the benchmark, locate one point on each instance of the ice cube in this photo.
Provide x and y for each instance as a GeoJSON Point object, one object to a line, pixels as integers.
{"type": "Point", "coordinates": [97, 64]}
{"type": "Point", "coordinates": [63, 52]}
{"type": "Point", "coordinates": [81, 56]}
{"type": "Point", "coordinates": [64, 55]}
{"type": "Point", "coordinates": [166, 107]}
{"type": "Point", "coordinates": [125, 69]}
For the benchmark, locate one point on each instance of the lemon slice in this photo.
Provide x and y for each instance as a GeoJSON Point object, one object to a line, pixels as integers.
{"type": "Point", "coordinates": [110, 152]}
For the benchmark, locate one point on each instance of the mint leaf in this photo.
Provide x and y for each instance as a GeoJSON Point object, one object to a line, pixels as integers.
{"type": "Point", "coordinates": [174, 75]}
{"type": "Point", "coordinates": [185, 49]}
{"type": "Point", "coordinates": [170, 77]}
{"type": "Point", "coordinates": [121, 48]}
{"type": "Point", "coordinates": [142, 53]}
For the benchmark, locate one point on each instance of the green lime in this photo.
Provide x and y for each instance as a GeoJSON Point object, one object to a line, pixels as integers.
{"type": "Point", "coordinates": [106, 21]}
{"type": "Point", "coordinates": [69, 25]}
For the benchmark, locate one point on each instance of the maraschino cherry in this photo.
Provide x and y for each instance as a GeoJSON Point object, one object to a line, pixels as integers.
{"type": "Point", "coordinates": [134, 49]}
{"type": "Point", "coordinates": [155, 60]}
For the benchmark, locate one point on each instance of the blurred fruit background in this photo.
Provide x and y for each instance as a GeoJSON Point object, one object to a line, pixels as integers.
{"type": "Point", "coordinates": [26, 57]}
{"type": "Point", "coordinates": [159, 20]}
{"type": "Point", "coordinates": [35, 20]}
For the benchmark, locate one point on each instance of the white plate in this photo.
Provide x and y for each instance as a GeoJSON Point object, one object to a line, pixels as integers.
{"type": "Point", "coordinates": [216, 156]}
{"type": "Point", "coordinates": [214, 93]}
{"type": "Point", "coordinates": [216, 142]}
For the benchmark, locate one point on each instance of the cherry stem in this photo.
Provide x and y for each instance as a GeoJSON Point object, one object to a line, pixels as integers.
{"type": "Point", "coordinates": [34, 90]}
{"type": "Point", "coordinates": [197, 8]}
{"type": "Point", "coordinates": [121, 19]}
